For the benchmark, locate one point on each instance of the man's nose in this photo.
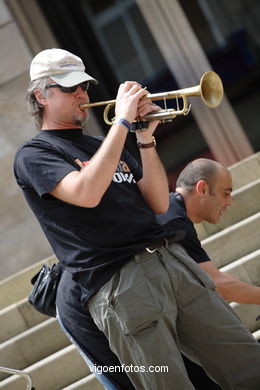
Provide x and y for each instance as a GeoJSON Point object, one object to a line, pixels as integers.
{"type": "Point", "coordinates": [229, 201]}
{"type": "Point", "coordinates": [80, 91]}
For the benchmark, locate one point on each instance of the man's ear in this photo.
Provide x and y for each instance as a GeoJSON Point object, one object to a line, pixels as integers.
{"type": "Point", "coordinates": [40, 97]}
{"type": "Point", "coordinates": [201, 188]}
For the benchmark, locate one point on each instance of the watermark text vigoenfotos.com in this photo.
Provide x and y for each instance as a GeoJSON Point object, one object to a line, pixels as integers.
{"type": "Point", "coordinates": [124, 368]}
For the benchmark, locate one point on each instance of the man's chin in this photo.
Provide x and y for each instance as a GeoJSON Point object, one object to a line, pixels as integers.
{"type": "Point", "coordinates": [213, 221]}
{"type": "Point", "coordinates": [217, 219]}
{"type": "Point", "coordinates": [79, 121]}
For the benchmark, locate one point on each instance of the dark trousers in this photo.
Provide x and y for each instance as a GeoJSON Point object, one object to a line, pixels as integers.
{"type": "Point", "coordinates": [198, 377]}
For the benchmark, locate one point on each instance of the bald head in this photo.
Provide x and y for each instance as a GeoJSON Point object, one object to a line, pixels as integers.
{"type": "Point", "coordinates": [206, 187]}
{"type": "Point", "coordinates": [200, 169]}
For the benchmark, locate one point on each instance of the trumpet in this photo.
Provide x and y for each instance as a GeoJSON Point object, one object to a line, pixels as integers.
{"type": "Point", "coordinates": [210, 90]}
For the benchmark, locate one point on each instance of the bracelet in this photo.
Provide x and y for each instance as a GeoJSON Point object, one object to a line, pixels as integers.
{"type": "Point", "coordinates": [125, 122]}
{"type": "Point", "coordinates": [144, 146]}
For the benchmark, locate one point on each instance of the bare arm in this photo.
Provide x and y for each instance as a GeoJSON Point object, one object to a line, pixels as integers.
{"type": "Point", "coordinates": [154, 184]}
{"type": "Point", "coordinates": [86, 187]}
{"type": "Point", "coordinates": [231, 288]}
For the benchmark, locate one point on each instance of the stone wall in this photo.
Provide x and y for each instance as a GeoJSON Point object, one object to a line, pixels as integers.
{"type": "Point", "coordinates": [21, 239]}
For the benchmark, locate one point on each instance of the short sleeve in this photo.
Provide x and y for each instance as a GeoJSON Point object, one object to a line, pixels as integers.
{"type": "Point", "coordinates": [191, 243]}
{"type": "Point", "coordinates": [40, 168]}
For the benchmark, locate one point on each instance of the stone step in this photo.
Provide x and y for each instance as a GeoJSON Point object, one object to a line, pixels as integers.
{"type": "Point", "coordinates": [17, 318]}
{"type": "Point", "coordinates": [55, 372]}
{"type": "Point", "coordinates": [32, 345]}
{"type": "Point", "coordinates": [247, 268]}
{"type": "Point", "coordinates": [88, 383]}
{"type": "Point", "coordinates": [18, 286]}
{"type": "Point", "coordinates": [234, 242]}
{"type": "Point", "coordinates": [246, 202]}
{"type": "Point", "coordinates": [245, 171]}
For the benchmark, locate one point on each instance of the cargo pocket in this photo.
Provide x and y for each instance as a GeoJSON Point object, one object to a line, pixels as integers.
{"type": "Point", "coordinates": [134, 302]}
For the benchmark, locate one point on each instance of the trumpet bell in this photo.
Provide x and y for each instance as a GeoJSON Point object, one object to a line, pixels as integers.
{"type": "Point", "coordinates": [211, 89]}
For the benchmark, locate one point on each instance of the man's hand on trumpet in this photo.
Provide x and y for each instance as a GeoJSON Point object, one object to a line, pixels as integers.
{"type": "Point", "coordinates": [146, 106]}
{"type": "Point", "coordinates": [127, 100]}
{"type": "Point", "coordinates": [132, 104]}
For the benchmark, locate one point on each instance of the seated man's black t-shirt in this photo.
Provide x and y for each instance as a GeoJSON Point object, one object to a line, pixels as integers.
{"type": "Point", "coordinates": [176, 219]}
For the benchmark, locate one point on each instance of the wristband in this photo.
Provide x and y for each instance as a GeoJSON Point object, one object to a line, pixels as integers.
{"type": "Point", "coordinates": [139, 126]}
{"type": "Point", "coordinates": [145, 146]}
{"type": "Point", "coordinates": [124, 122]}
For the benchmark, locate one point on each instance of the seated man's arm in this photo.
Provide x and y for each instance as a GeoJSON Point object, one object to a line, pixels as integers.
{"type": "Point", "coordinates": [231, 288]}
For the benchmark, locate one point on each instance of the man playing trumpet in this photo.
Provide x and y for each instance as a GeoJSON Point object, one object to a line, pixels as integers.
{"type": "Point", "coordinates": [143, 290]}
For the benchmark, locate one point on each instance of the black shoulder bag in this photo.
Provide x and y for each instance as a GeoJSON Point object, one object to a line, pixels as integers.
{"type": "Point", "coordinates": [43, 294]}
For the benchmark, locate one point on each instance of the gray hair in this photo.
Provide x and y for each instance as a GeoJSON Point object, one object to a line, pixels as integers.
{"type": "Point", "coordinates": [200, 169]}
{"type": "Point", "coordinates": [34, 107]}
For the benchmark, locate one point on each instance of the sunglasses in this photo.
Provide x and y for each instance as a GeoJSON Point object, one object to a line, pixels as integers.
{"type": "Point", "coordinates": [84, 86]}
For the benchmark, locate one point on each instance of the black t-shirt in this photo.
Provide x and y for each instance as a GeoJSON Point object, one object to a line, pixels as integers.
{"type": "Point", "coordinates": [92, 243]}
{"type": "Point", "coordinates": [176, 219]}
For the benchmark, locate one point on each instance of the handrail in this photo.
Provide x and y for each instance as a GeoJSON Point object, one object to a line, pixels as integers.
{"type": "Point", "coordinates": [21, 373]}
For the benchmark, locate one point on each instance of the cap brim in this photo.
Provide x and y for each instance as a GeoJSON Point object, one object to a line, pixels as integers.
{"type": "Point", "coordinates": [72, 78]}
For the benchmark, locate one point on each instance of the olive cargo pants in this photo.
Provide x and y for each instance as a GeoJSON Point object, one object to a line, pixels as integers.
{"type": "Point", "coordinates": [161, 304]}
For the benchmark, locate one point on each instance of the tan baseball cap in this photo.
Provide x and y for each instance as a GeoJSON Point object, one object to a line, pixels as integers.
{"type": "Point", "coordinates": [63, 67]}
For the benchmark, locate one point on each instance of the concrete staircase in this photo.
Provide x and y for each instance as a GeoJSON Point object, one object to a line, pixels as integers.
{"type": "Point", "coordinates": [33, 342]}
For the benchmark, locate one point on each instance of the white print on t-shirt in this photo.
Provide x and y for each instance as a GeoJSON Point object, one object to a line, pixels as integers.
{"type": "Point", "coordinates": [123, 174]}
{"type": "Point", "coordinates": [119, 177]}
